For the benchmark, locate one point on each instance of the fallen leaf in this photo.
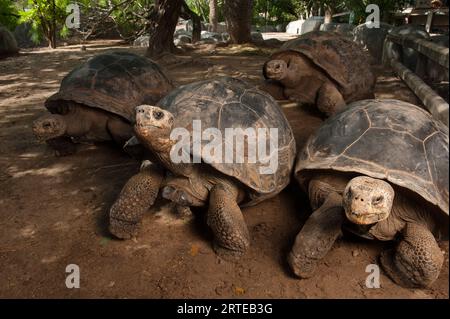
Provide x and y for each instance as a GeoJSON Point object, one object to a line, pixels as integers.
{"type": "Point", "coordinates": [239, 291]}
{"type": "Point", "coordinates": [194, 250]}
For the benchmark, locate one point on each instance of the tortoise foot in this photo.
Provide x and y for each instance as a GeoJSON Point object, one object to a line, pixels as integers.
{"type": "Point", "coordinates": [228, 254]}
{"type": "Point", "coordinates": [123, 229]}
{"type": "Point", "coordinates": [416, 261]}
{"type": "Point", "coordinates": [63, 146]}
{"type": "Point", "coordinates": [301, 266]}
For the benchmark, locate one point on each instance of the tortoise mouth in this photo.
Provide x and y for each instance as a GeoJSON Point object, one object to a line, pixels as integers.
{"type": "Point", "coordinates": [365, 218]}
{"type": "Point", "coordinates": [148, 126]}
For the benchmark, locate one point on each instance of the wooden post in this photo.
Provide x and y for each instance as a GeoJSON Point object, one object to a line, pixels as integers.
{"type": "Point", "coordinates": [429, 22]}
{"type": "Point", "coordinates": [433, 51]}
{"type": "Point", "coordinates": [435, 104]}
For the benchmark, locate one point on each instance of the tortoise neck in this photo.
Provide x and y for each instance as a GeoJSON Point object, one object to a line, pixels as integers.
{"type": "Point", "coordinates": [161, 146]}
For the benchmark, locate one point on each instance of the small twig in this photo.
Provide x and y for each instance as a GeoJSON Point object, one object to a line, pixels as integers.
{"type": "Point", "coordinates": [115, 166]}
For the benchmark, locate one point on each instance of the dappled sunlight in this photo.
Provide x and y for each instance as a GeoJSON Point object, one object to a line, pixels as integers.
{"type": "Point", "coordinates": [55, 207]}
{"type": "Point", "coordinates": [52, 171]}
{"type": "Point", "coordinates": [16, 116]}
{"type": "Point", "coordinates": [28, 231]}
{"type": "Point", "coordinates": [30, 155]}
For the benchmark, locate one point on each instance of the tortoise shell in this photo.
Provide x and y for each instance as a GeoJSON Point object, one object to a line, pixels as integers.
{"type": "Point", "coordinates": [344, 61]}
{"type": "Point", "coordinates": [115, 82]}
{"type": "Point", "coordinates": [385, 139]}
{"type": "Point", "coordinates": [224, 103]}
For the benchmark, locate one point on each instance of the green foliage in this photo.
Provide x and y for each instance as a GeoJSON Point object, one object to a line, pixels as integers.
{"type": "Point", "coordinates": [386, 7]}
{"type": "Point", "coordinates": [273, 12]}
{"type": "Point", "coordinates": [128, 17]}
{"type": "Point", "coordinates": [357, 6]}
{"type": "Point", "coordinates": [201, 8]}
{"type": "Point", "coordinates": [9, 15]}
{"type": "Point", "coordinates": [42, 14]}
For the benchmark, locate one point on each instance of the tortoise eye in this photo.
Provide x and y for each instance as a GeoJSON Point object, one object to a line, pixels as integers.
{"type": "Point", "coordinates": [377, 200]}
{"type": "Point", "coordinates": [349, 192]}
{"type": "Point", "coordinates": [158, 115]}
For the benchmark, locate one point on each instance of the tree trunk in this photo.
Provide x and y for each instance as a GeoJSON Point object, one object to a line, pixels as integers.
{"type": "Point", "coordinates": [213, 18]}
{"type": "Point", "coordinates": [187, 13]}
{"type": "Point", "coordinates": [328, 15]}
{"type": "Point", "coordinates": [162, 24]}
{"type": "Point", "coordinates": [50, 36]}
{"type": "Point", "coordinates": [52, 27]}
{"type": "Point", "coordinates": [238, 16]}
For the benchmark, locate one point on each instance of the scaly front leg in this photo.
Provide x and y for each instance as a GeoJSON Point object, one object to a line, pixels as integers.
{"type": "Point", "coordinates": [329, 100]}
{"type": "Point", "coordinates": [317, 236]}
{"type": "Point", "coordinates": [136, 197]}
{"type": "Point", "coordinates": [416, 261]}
{"type": "Point", "coordinates": [62, 145]}
{"type": "Point", "coordinates": [231, 236]}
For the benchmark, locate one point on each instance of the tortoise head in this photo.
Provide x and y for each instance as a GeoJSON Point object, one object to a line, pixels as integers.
{"type": "Point", "coordinates": [153, 123]}
{"type": "Point", "coordinates": [367, 200]}
{"type": "Point", "coordinates": [289, 68]}
{"type": "Point", "coordinates": [49, 126]}
{"type": "Point", "coordinates": [275, 70]}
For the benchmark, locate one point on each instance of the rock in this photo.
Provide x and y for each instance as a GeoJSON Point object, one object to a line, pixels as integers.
{"type": "Point", "coordinates": [311, 24]}
{"type": "Point", "coordinates": [294, 27]}
{"type": "Point", "coordinates": [225, 37]}
{"type": "Point", "coordinates": [182, 32]}
{"type": "Point", "coordinates": [142, 41]}
{"type": "Point", "coordinates": [207, 41]}
{"type": "Point", "coordinates": [22, 35]}
{"type": "Point", "coordinates": [182, 39]}
{"type": "Point", "coordinates": [343, 28]}
{"type": "Point", "coordinates": [372, 39]}
{"type": "Point", "coordinates": [257, 37]}
{"type": "Point", "coordinates": [211, 35]}
{"type": "Point", "coordinates": [8, 44]}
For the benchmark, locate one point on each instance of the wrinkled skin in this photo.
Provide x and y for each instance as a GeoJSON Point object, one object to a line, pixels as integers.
{"type": "Point", "coordinates": [188, 185]}
{"type": "Point", "coordinates": [371, 208]}
{"type": "Point", "coordinates": [303, 82]}
{"type": "Point", "coordinates": [80, 123]}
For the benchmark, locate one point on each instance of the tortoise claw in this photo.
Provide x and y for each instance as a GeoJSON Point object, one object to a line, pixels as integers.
{"type": "Point", "coordinates": [228, 254]}
{"type": "Point", "coordinates": [123, 229]}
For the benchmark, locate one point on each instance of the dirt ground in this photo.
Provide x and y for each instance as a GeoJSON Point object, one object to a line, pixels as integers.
{"type": "Point", "coordinates": [54, 210]}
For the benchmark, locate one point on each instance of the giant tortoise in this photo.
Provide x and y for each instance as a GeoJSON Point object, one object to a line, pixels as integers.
{"type": "Point", "coordinates": [326, 69]}
{"type": "Point", "coordinates": [380, 168]}
{"type": "Point", "coordinates": [96, 100]}
{"type": "Point", "coordinates": [212, 176]}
